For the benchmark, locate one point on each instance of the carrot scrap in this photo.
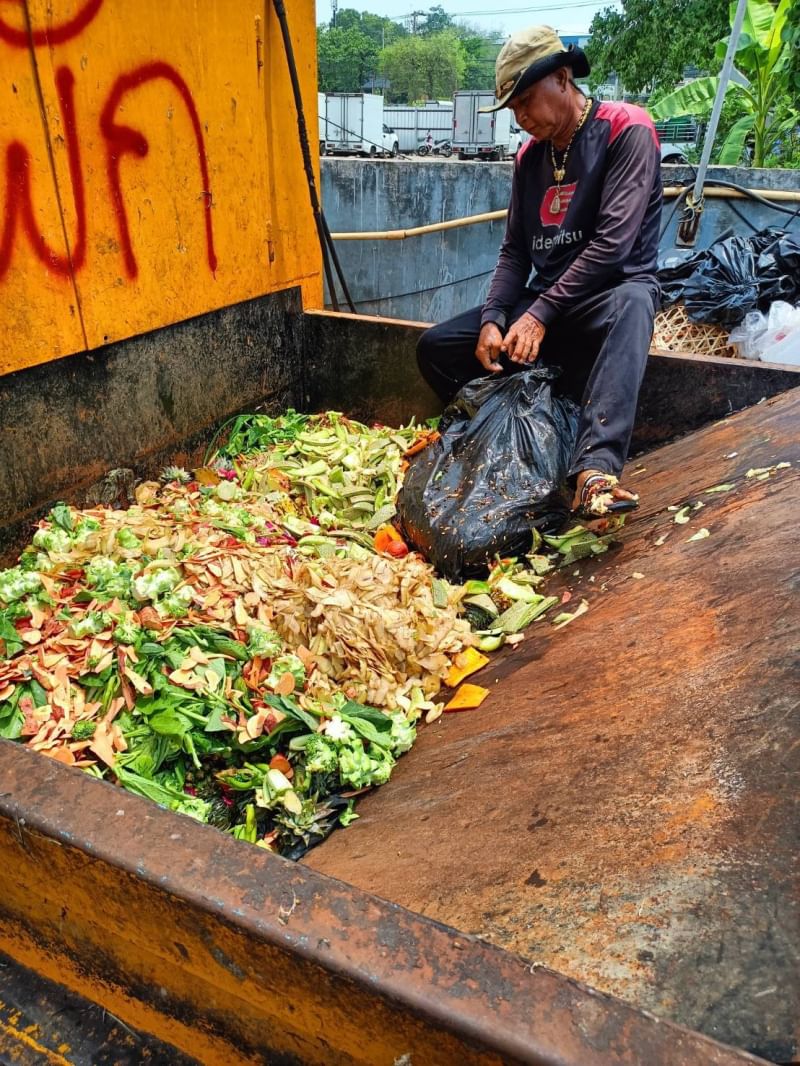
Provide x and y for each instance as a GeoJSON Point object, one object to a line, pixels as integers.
{"type": "Point", "coordinates": [385, 536]}
{"type": "Point", "coordinates": [280, 762]}
{"type": "Point", "coordinates": [468, 698]}
{"type": "Point", "coordinates": [465, 663]}
{"type": "Point", "coordinates": [422, 442]}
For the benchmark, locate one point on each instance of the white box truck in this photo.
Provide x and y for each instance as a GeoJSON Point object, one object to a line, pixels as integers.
{"type": "Point", "coordinates": [412, 124]}
{"type": "Point", "coordinates": [353, 125]}
{"type": "Point", "coordinates": [477, 135]}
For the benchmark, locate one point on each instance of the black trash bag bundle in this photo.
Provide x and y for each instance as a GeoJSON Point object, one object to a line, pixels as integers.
{"type": "Point", "coordinates": [721, 283]}
{"type": "Point", "coordinates": [724, 287]}
{"type": "Point", "coordinates": [495, 474]}
{"type": "Point", "coordinates": [778, 268]}
{"type": "Point", "coordinates": [674, 268]}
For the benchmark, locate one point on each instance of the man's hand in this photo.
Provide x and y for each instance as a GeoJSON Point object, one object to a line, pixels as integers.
{"type": "Point", "coordinates": [488, 349]}
{"type": "Point", "coordinates": [522, 341]}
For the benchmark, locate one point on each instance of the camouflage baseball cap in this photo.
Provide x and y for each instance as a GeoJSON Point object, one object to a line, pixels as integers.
{"type": "Point", "coordinates": [529, 55]}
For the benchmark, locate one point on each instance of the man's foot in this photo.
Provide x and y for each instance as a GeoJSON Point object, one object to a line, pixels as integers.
{"type": "Point", "coordinates": [598, 494]}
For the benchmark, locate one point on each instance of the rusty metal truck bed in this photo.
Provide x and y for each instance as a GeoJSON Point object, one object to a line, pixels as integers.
{"type": "Point", "coordinates": [618, 812]}
{"type": "Point", "coordinates": [623, 807]}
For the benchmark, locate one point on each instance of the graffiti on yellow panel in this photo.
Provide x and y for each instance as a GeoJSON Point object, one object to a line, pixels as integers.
{"type": "Point", "coordinates": [18, 216]}
{"type": "Point", "coordinates": [149, 168]}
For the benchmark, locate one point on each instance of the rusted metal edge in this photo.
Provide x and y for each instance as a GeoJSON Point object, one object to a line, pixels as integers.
{"type": "Point", "coordinates": [42, 1022]}
{"type": "Point", "coordinates": [232, 954]}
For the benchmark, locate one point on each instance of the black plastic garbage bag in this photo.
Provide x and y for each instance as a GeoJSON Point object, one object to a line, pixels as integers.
{"type": "Point", "coordinates": [674, 269]}
{"type": "Point", "coordinates": [496, 473]}
{"type": "Point", "coordinates": [778, 268]}
{"type": "Point", "coordinates": [721, 283]}
{"type": "Point", "coordinates": [725, 286]}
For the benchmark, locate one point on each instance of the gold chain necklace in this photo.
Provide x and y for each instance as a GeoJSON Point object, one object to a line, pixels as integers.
{"type": "Point", "coordinates": [560, 172]}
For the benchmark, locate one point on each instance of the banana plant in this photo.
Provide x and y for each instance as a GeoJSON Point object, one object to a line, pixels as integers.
{"type": "Point", "coordinates": [759, 84]}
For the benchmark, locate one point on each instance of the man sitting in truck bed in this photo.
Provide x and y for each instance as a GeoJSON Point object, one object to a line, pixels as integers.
{"type": "Point", "coordinates": [584, 217]}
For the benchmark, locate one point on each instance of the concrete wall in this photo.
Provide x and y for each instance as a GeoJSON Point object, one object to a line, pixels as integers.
{"type": "Point", "coordinates": [432, 277]}
{"type": "Point", "coordinates": [424, 278]}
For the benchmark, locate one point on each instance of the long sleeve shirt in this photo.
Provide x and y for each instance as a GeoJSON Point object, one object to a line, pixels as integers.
{"type": "Point", "coordinates": [600, 230]}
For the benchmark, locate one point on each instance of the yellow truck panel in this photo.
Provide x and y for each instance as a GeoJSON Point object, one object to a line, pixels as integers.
{"type": "Point", "coordinates": [38, 302]}
{"type": "Point", "coordinates": [172, 136]}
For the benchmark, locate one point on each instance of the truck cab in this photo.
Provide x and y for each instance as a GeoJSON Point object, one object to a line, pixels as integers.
{"type": "Point", "coordinates": [391, 143]}
{"type": "Point", "coordinates": [516, 138]}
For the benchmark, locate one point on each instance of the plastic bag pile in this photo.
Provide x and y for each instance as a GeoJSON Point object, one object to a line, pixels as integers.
{"type": "Point", "coordinates": [724, 282]}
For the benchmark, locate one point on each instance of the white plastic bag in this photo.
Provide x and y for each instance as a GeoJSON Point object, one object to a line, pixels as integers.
{"type": "Point", "coordinates": [774, 338]}
{"type": "Point", "coordinates": [746, 335]}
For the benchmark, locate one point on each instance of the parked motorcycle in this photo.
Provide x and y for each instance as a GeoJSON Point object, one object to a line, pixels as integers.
{"type": "Point", "coordinates": [443, 147]}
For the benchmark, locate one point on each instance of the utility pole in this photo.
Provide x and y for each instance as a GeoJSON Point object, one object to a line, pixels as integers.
{"type": "Point", "coordinates": [334, 11]}
{"type": "Point", "coordinates": [414, 16]}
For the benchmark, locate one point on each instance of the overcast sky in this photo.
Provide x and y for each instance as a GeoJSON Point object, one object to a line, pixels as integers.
{"type": "Point", "coordinates": [504, 16]}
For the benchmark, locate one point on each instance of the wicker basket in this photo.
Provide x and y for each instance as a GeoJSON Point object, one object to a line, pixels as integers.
{"type": "Point", "coordinates": [674, 332]}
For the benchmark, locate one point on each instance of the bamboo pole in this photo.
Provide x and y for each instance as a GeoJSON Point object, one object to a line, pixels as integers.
{"type": "Point", "coordinates": [418, 231]}
{"type": "Point", "coordinates": [779, 195]}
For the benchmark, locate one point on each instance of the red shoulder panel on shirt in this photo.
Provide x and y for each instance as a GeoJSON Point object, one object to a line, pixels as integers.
{"type": "Point", "coordinates": [621, 116]}
{"type": "Point", "coordinates": [523, 148]}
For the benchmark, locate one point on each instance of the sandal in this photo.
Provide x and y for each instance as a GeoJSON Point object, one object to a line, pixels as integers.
{"type": "Point", "coordinates": [597, 500]}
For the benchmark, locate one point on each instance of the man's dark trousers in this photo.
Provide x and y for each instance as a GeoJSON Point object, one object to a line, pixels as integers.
{"type": "Point", "coordinates": [601, 345]}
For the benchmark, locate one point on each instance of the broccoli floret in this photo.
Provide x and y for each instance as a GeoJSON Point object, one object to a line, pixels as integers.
{"type": "Point", "coordinates": [52, 540]}
{"type": "Point", "coordinates": [321, 755]}
{"type": "Point", "coordinates": [126, 631]}
{"type": "Point", "coordinates": [211, 507]}
{"type": "Point", "coordinates": [362, 767]}
{"type": "Point", "coordinates": [381, 765]}
{"type": "Point", "coordinates": [176, 604]}
{"type": "Point", "coordinates": [93, 622]}
{"type": "Point", "coordinates": [287, 664]}
{"type": "Point", "coordinates": [108, 577]}
{"type": "Point", "coordinates": [16, 584]}
{"type": "Point", "coordinates": [127, 540]}
{"type": "Point", "coordinates": [84, 529]}
{"type": "Point", "coordinates": [83, 730]}
{"type": "Point", "coordinates": [403, 733]}
{"type": "Point", "coordinates": [33, 560]}
{"type": "Point", "coordinates": [156, 583]}
{"type": "Point", "coordinates": [354, 764]}
{"type": "Point", "coordinates": [262, 642]}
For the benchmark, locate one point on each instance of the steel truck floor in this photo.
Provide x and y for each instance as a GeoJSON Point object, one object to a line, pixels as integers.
{"type": "Point", "coordinates": [623, 808]}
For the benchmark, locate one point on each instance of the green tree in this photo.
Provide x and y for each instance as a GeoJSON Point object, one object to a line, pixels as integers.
{"type": "Point", "coordinates": [346, 58]}
{"type": "Point", "coordinates": [381, 31]}
{"type": "Point", "coordinates": [420, 68]}
{"type": "Point", "coordinates": [650, 43]}
{"type": "Point", "coordinates": [480, 52]}
{"type": "Point", "coordinates": [436, 21]}
{"type": "Point", "coordinates": [762, 92]}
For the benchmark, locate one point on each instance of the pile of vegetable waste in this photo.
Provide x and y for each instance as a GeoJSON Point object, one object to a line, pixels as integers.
{"type": "Point", "coordinates": [253, 644]}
